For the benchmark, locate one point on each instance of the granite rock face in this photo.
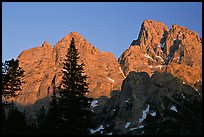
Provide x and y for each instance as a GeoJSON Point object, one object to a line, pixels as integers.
{"type": "Point", "coordinates": [184, 55]}
{"type": "Point", "coordinates": [177, 51]}
{"type": "Point", "coordinates": [43, 63]}
{"type": "Point", "coordinates": [126, 109]}
{"type": "Point", "coordinates": [39, 70]}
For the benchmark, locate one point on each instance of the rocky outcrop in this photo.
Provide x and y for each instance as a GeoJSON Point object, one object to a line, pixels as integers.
{"type": "Point", "coordinates": [177, 51]}
{"type": "Point", "coordinates": [146, 53]}
{"type": "Point", "coordinates": [126, 110]}
{"type": "Point", "coordinates": [184, 54]}
{"type": "Point", "coordinates": [39, 70]}
{"type": "Point", "coordinates": [102, 68]}
{"type": "Point", "coordinates": [43, 63]}
{"type": "Point", "coordinates": [151, 33]}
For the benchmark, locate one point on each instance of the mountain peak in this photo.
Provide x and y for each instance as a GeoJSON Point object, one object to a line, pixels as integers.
{"type": "Point", "coordinates": [177, 26]}
{"type": "Point", "coordinates": [46, 44]}
{"type": "Point", "coordinates": [153, 23]}
{"type": "Point", "coordinates": [151, 32]}
{"type": "Point", "coordinates": [74, 35]}
{"type": "Point", "coordinates": [177, 51]}
{"type": "Point", "coordinates": [41, 64]}
{"type": "Point", "coordinates": [185, 30]}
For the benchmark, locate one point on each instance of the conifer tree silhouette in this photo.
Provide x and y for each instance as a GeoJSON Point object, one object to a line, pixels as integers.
{"type": "Point", "coordinates": [11, 78]}
{"type": "Point", "coordinates": [11, 85]}
{"type": "Point", "coordinates": [73, 107]}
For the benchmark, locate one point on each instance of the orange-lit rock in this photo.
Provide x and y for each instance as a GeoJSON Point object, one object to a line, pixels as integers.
{"type": "Point", "coordinates": [41, 64]}
{"type": "Point", "coordinates": [178, 51]}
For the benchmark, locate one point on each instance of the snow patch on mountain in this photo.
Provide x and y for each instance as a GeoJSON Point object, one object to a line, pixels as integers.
{"type": "Point", "coordinates": [64, 70]}
{"type": "Point", "coordinates": [159, 57]}
{"type": "Point", "coordinates": [173, 108]}
{"type": "Point", "coordinates": [161, 45]}
{"type": "Point", "coordinates": [127, 124]}
{"type": "Point", "coordinates": [159, 66]}
{"type": "Point", "coordinates": [183, 96]}
{"type": "Point", "coordinates": [131, 129]}
{"type": "Point", "coordinates": [94, 103]}
{"type": "Point", "coordinates": [98, 129]}
{"type": "Point", "coordinates": [147, 56]}
{"type": "Point", "coordinates": [110, 133]}
{"type": "Point", "coordinates": [141, 126]}
{"type": "Point", "coordinates": [111, 79]}
{"type": "Point", "coordinates": [122, 72]}
{"type": "Point", "coordinates": [144, 114]}
{"type": "Point", "coordinates": [153, 114]}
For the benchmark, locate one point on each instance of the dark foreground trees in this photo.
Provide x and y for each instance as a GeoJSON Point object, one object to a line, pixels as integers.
{"type": "Point", "coordinates": [13, 121]}
{"type": "Point", "coordinates": [16, 122]}
{"type": "Point", "coordinates": [70, 112]}
{"type": "Point", "coordinates": [11, 78]}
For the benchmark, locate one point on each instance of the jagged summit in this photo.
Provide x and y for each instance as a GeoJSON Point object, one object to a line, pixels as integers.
{"type": "Point", "coordinates": [178, 51]}
{"type": "Point", "coordinates": [41, 64]}
{"type": "Point", "coordinates": [175, 26]}
{"type": "Point", "coordinates": [74, 35]}
{"type": "Point", "coordinates": [150, 23]}
{"type": "Point", "coordinates": [46, 44]}
{"type": "Point", "coordinates": [151, 32]}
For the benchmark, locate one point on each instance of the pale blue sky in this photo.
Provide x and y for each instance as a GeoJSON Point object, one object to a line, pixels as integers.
{"type": "Point", "coordinates": [109, 26]}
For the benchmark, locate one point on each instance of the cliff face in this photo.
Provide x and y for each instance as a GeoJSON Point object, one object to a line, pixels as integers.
{"type": "Point", "coordinates": [184, 51]}
{"type": "Point", "coordinates": [160, 65]}
{"type": "Point", "coordinates": [177, 51]}
{"type": "Point", "coordinates": [39, 68]}
{"type": "Point", "coordinates": [141, 95]}
{"type": "Point", "coordinates": [41, 64]}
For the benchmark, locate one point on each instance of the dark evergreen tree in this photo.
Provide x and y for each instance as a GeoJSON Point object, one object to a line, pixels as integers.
{"type": "Point", "coordinates": [74, 106]}
{"type": "Point", "coordinates": [11, 78]}
{"type": "Point", "coordinates": [3, 74]}
{"type": "Point", "coordinates": [50, 124]}
{"type": "Point", "coordinates": [3, 117]}
{"type": "Point", "coordinates": [16, 122]}
{"type": "Point", "coordinates": [41, 116]}
{"type": "Point", "coordinates": [11, 85]}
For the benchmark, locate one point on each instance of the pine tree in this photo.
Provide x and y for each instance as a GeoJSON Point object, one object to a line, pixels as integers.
{"type": "Point", "coordinates": [11, 78]}
{"type": "Point", "coordinates": [3, 76]}
{"type": "Point", "coordinates": [11, 83]}
{"type": "Point", "coordinates": [74, 106]}
{"type": "Point", "coordinates": [16, 122]}
{"type": "Point", "coordinates": [4, 126]}
{"type": "Point", "coordinates": [50, 124]}
{"type": "Point", "coordinates": [41, 116]}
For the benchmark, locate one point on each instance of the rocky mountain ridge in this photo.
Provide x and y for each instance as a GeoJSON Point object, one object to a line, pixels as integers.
{"type": "Point", "coordinates": [42, 64]}
{"type": "Point", "coordinates": [177, 51]}
{"type": "Point", "coordinates": [141, 95]}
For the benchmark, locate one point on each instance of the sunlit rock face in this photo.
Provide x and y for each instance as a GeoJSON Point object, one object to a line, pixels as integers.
{"type": "Point", "coordinates": [177, 51]}
{"type": "Point", "coordinates": [42, 63]}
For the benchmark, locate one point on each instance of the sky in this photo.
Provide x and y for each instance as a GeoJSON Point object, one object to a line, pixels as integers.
{"type": "Point", "coordinates": [109, 26]}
